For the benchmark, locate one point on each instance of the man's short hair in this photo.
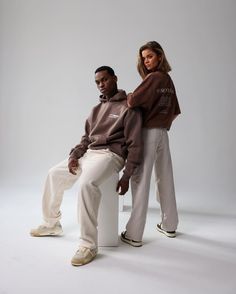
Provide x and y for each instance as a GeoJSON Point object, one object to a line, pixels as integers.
{"type": "Point", "coordinates": [107, 68]}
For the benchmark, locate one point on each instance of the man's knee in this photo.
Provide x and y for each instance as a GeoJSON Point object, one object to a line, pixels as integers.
{"type": "Point", "coordinates": [85, 183]}
{"type": "Point", "coordinates": [53, 172]}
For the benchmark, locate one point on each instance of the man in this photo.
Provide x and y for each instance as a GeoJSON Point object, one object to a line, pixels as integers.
{"type": "Point", "coordinates": [111, 141]}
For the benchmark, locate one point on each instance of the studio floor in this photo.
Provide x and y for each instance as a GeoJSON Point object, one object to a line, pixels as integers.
{"type": "Point", "coordinates": [202, 259]}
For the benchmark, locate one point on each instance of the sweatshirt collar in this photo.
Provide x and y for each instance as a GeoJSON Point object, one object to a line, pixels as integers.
{"type": "Point", "coordinates": [119, 96]}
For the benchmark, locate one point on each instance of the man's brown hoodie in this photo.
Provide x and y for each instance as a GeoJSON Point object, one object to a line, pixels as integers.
{"type": "Point", "coordinates": [112, 125]}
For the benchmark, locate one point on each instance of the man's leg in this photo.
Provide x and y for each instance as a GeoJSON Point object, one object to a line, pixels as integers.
{"type": "Point", "coordinates": [58, 180]}
{"type": "Point", "coordinates": [96, 167]}
{"type": "Point", "coordinates": [165, 186]}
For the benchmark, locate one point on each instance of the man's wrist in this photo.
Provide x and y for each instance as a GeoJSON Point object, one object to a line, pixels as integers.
{"type": "Point", "coordinates": [72, 158]}
{"type": "Point", "coordinates": [125, 177]}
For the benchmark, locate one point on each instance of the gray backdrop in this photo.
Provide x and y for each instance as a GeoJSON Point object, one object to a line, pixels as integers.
{"type": "Point", "coordinates": [49, 51]}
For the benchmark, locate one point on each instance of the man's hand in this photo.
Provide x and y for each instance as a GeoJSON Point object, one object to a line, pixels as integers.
{"type": "Point", "coordinates": [122, 186]}
{"type": "Point", "coordinates": [73, 165]}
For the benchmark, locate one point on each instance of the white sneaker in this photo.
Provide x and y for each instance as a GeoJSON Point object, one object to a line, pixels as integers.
{"type": "Point", "coordinates": [43, 230]}
{"type": "Point", "coordinates": [83, 256]}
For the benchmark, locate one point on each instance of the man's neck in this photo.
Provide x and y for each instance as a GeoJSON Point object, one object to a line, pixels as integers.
{"type": "Point", "coordinates": [112, 94]}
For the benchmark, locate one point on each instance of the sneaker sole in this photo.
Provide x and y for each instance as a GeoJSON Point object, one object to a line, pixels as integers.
{"type": "Point", "coordinates": [47, 235]}
{"type": "Point", "coordinates": [166, 233]}
{"type": "Point", "coordinates": [130, 242]}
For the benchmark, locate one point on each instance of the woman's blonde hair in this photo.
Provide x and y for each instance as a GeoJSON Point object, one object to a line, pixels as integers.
{"type": "Point", "coordinates": [156, 48]}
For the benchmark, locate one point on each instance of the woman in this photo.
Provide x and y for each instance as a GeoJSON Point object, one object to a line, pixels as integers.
{"type": "Point", "coordinates": [157, 99]}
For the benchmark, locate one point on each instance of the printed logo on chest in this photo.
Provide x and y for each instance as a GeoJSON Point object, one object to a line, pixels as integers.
{"type": "Point", "coordinates": [112, 115]}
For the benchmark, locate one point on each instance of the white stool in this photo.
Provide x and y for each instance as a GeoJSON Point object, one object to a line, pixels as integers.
{"type": "Point", "coordinates": [109, 213]}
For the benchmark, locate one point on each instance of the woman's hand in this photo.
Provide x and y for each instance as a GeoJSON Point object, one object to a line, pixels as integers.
{"type": "Point", "coordinates": [128, 97]}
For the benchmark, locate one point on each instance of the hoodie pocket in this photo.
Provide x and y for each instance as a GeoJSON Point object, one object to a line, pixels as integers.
{"type": "Point", "coordinates": [98, 140]}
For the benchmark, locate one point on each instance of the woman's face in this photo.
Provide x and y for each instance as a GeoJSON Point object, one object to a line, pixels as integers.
{"type": "Point", "coordinates": [150, 59]}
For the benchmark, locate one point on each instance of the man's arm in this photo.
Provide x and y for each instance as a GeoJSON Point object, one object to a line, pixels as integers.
{"type": "Point", "coordinates": [133, 137]}
{"type": "Point", "coordinates": [79, 150]}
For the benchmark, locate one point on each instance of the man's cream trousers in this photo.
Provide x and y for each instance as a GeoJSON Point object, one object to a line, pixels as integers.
{"type": "Point", "coordinates": [157, 156]}
{"type": "Point", "coordinates": [94, 168]}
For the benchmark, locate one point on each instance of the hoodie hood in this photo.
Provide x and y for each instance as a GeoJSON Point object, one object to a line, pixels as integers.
{"type": "Point", "coordinates": [119, 96]}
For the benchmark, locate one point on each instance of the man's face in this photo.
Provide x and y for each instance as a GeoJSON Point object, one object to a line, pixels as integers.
{"type": "Point", "coordinates": [106, 83]}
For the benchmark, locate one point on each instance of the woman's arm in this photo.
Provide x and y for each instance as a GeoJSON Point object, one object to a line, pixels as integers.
{"type": "Point", "coordinates": [141, 95]}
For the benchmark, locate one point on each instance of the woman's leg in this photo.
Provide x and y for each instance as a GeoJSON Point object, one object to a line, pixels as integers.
{"type": "Point", "coordinates": [140, 184]}
{"type": "Point", "coordinates": [165, 184]}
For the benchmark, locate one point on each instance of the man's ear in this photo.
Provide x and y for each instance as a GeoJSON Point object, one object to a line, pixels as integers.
{"type": "Point", "coordinates": [115, 78]}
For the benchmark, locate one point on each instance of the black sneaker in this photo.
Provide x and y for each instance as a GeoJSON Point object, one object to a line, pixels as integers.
{"type": "Point", "coordinates": [129, 241]}
{"type": "Point", "coordinates": [170, 234]}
